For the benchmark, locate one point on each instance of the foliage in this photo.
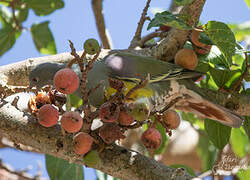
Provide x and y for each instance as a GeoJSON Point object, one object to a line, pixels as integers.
{"type": "Point", "coordinates": [12, 25]}
{"type": "Point", "coordinates": [61, 169]}
{"type": "Point", "coordinates": [223, 67]}
{"type": "Point", "coordinates": [168, 19]}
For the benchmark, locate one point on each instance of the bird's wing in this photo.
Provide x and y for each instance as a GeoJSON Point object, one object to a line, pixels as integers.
{"type": "Point", "coordinates": [131, 67]}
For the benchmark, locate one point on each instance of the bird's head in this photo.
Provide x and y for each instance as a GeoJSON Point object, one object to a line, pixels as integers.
{"type": "Point", "coordinates": [43, 74]}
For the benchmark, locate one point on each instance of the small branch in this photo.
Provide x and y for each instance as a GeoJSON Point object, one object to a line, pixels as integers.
{"type": "Point", "coordinates": [174, 8]}
{"type": "Point", "coordinates": [95, 88]}
{"type": "Point", "coordinates": [17, 23]}
{"type": "Point", "coordinates": [151, 36]}
{"type": "Point", "coordinates": [87, 68]}
{"type": "Point", "coordinates": [137, 36]}
{"type": "Point", "coordinates": [99, 19]}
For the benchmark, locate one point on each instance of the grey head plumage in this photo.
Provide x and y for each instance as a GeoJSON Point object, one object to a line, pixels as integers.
{"type": "Point", "coordinates": [46, 71]}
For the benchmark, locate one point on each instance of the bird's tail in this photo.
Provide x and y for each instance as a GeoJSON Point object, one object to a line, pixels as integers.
{"type": "Point", "coordinates": [206, 109]}
{"type": "Point", "coordinates": [191, 99]}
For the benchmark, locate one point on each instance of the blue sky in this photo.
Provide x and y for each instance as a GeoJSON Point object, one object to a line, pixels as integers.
{"type": "Point", "coordinates": [76, 22]}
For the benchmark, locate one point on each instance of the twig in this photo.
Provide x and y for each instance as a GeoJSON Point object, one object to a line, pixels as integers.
{"type": "Point", "coordinates": [85, 71]}
{"type": "Point", "coordinates": [77, 57]}
{"type": "Point", "coordinates": [151, 36]}
{"type": "Point", "coordinates": [87, 68]}
{"type": "Point", "coordinates": [99, 19]}
{"type": "Point", "coordinates": [17, 24]}
{"type": "Point", "coordinates": [173, 102]}
{"type": "Point", "coordinates": [137, 36]}
{"type": "Point", "coordinates": [95, 88]}
{"type": "Point", "coordinates": [15, 101]}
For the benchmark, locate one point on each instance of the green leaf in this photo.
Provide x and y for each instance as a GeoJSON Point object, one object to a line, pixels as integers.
{"type": "Point", "coordinates": [206, 151]}
{"type": "Point", "coordinates": [22, 15]}
{"type": "Point", "coordinates": [239, 62]}
{"type": "Point", "coordinates": [218, 134]}
{"type": "Point", "coordinates": [188, 169]}
{"type": "Point", "coordinates": [60, 169]}
{"type": "Point", "coordinates": [248, 3]}
{"type": "Point", "coordinates": [209, 83]}
{"type": "Point", "coordinates": [203, 38]}
{"type": "Point", "coordinates": [241, 31]}
{"type": "Point", "coordinates": [222, 37]}
{"type": "Point", "coordinates": [43, 38]}
{"type": "Point", "coordinates": [214, 59]}
{"type": "Point", "coordinates": [244, 174]}
{"type": "Point", "coordinates": [74, 100]}
{"type": "Point", "coordinates": [91, 158]}
{"type": "Point", "coordinates": [233, 78]}
{"type": "Point", "coordinates": [44, 7]}
{"type": "Point", "coordinates": [239, 142]}
{"type": "Point", "coordinates": [183, 2]}
{"type": "Point", "coordinates": [225, 78]}
{"type": "Point", "coordinates": [5, 16]}
{"type": "Point", "coordinates": [164, 142]}
{"type": "Point", "coordinates": [246, 125]}
{"type": "Point", "coordinates": [169, 19]}
{"type": "Point", "coordinates": [8, 36]}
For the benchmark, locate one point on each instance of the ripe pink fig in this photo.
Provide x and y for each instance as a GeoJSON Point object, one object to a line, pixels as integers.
{"type": "Point", "coordinates": [151, 138]}
{"type": "Point", "coordinates": [71, 122]}
{"type": "Point", "coordinates": [110, 132]}
{"type": "Point", "coordinates": [82, 143]}
{"type": "Point", "coordinates": [48, 115]}
{"type": "Point", "coordinates": [107, 111]}
{"type": "Point", "coordinates": [66, 81]}
{"type": "Point", "coordinates": [125, 119]}
{"type": "Point", "coordinates": [171, 119]}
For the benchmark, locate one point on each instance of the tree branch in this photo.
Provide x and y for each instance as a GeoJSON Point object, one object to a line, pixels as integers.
{"type": "Point", "coordinates": [137, 36]}
{"type": "Point", "coordinates": [22, 128]}
{"type": "Point", "coordinates": [17, 75]}
{"type": "Point", "coordinates": [99, 19]}
{"type": "Point", "coordinates": [169, 46]}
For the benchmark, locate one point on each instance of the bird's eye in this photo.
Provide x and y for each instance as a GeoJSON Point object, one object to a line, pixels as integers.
{"type": "Point", "coordinates": [36, 79]}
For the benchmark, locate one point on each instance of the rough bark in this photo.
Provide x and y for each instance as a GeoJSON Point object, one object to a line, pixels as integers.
{"type": "Point", "coordinates": [168, 47]}
{"type": "Point", "coordinates": [22, 128]}
{"type": "Point", "coordinates": [99, 19]}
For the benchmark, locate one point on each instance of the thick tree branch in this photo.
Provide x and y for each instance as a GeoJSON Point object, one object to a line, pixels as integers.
{"type": "Point", "coordinates": [17, 75]}
{"type": "Point", "coordinates": [117, 161]}
{"type": "Point", "coordinates": [99, 19]}
{"type": "Point", "coordinates": [168, 47]}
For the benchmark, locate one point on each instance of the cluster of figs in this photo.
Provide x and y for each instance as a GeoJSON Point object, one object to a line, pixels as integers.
{"type": "Point", "coordinates": [66, 81]}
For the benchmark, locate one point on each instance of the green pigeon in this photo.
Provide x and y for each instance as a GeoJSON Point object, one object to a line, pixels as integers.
{"type": "Point", "coordinates": [167, 81]}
